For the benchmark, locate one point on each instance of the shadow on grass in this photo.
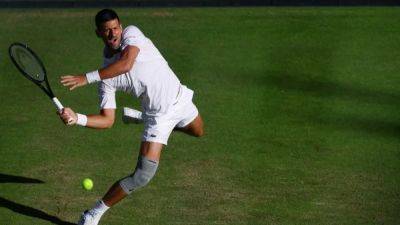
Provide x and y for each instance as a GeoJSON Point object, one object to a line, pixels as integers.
{"type": "Point", "coordinates": [351, 122]}
{"type": "Point", "coordinates": [305, 83]}
{"type": "Point", "coordinates": [324, 88]}
{"type": "Point", "coordinates": [5, 178]}
{"type": "Point", "coordinates": [26, 210]}
{"type": "Point", "coordinates": [32, 212]}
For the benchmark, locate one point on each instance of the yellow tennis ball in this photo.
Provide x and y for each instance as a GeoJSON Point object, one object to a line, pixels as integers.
{"type": "Point", "coordinates": [87, 184]}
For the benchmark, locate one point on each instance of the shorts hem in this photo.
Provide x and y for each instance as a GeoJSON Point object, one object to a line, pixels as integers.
{"type": "Point", "coordinates": [157, 140]}
{"type": "Point", "coordinates": [191, 120]}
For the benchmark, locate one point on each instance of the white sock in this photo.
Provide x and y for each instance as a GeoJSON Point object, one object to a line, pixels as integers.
{"type": "Point", "coordinates": [100, 208]}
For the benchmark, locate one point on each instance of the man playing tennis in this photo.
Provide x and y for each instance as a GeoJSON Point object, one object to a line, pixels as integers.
{"type": "Point", "coordinates": [134, 65]}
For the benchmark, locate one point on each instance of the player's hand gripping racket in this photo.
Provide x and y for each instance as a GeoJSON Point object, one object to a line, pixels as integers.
{"type": "Point", "coordinates": [29, 64]}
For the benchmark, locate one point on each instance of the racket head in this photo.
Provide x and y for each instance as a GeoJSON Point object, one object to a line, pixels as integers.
{"type": "Point", "coordinates": [27, 62]}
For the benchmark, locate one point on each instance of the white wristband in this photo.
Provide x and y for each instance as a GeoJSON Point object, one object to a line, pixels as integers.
{"type": "Point", "coordinates": [82, 119]}
{"type": "Point", "coordinates": [93, 76]}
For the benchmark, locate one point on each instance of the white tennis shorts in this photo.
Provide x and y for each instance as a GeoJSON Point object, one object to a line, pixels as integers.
{"type": "Point", "coordinates": [159, 128]}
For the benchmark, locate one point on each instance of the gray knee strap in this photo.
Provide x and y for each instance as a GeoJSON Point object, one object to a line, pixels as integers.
{"type": "Point", "coordinates": [145, 170]}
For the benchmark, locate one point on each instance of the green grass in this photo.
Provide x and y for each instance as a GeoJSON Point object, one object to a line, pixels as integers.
{"type": "Point", "coordinates": [301, 108]}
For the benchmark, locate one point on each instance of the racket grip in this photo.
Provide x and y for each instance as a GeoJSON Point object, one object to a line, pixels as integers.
{"type": "Point", "coordinates": [58, 104]}
{"type": "Point", "coordinates": [60, 107]}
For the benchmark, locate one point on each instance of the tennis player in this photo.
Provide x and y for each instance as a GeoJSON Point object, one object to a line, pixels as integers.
{"type": "Point", "coordinates": [134, 65]}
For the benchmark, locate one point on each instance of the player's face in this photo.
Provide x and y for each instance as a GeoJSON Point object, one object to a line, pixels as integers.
{"type": "Point", "coordinates": [111, 32]}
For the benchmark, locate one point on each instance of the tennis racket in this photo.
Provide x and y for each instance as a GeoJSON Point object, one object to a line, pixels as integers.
{"type": "Point", "coordinates": [29, 64]}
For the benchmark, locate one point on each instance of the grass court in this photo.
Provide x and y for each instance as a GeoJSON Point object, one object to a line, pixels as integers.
{"type": "Point", "coordinates": [301, 110]}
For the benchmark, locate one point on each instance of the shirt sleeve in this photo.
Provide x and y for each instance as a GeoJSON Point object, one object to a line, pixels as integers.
{"type": "Point", "coordinates": [107, 96]}
{"type": "Point", "coordinates": [131, 36]}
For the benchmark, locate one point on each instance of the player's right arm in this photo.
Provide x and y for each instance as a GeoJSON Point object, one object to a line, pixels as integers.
{"type": "Point", "coordinates": [105, 119]}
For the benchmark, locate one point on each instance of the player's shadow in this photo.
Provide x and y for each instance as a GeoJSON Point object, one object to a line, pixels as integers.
{"type": "Point", "coordinates": [23, 209]}
{"type": "Point", "coordinates": [5, 178]}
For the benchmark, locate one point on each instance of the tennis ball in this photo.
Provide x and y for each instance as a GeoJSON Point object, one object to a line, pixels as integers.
{"type": "Point", "coordinates": [87, 184]}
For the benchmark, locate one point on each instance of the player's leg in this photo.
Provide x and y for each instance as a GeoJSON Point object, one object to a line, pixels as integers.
{"type": "Point", "coordinates": [189, 119]}
{"type": "Point", "coordinates": [194, 128]}
{"type": "Point", "coordinates": [150, 152]}
{"type": "Point", "coordinates": [146, 167]}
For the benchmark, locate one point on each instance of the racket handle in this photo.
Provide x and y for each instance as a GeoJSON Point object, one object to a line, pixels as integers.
{"type": "Point", "coordinates": [58, 104]}
{"type": "Point", "coordinates": [60, 108]}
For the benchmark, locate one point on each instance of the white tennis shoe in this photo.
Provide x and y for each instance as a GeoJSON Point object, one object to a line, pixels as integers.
{"type": "Point", "coordinates": [89, 217]}
{"type": "Point", "coordinates": [131, 116]}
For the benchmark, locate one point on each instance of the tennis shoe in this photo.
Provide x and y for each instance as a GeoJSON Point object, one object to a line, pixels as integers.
{"type": "Point", "coordinates": [89, 217]}
{"type": "Point", "coordinates": [132, 116]}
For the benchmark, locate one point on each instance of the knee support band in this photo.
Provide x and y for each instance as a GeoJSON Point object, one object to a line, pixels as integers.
{"type": "Point", "coordinates": [145, 170]}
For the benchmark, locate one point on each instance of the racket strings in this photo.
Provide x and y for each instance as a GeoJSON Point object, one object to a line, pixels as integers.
{"type": "Point", "coordinates": [28, 63]}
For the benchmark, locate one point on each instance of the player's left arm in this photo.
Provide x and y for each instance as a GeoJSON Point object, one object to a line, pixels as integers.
{"type": "Point", "coordinates": [123, 65]}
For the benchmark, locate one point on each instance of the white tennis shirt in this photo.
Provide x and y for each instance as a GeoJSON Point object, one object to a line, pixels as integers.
{"type": "Point", "coordinates": [150, 79]}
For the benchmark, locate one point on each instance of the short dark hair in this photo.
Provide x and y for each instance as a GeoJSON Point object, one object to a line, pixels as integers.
{"type": "Point", "coordinates": [105, 15]}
